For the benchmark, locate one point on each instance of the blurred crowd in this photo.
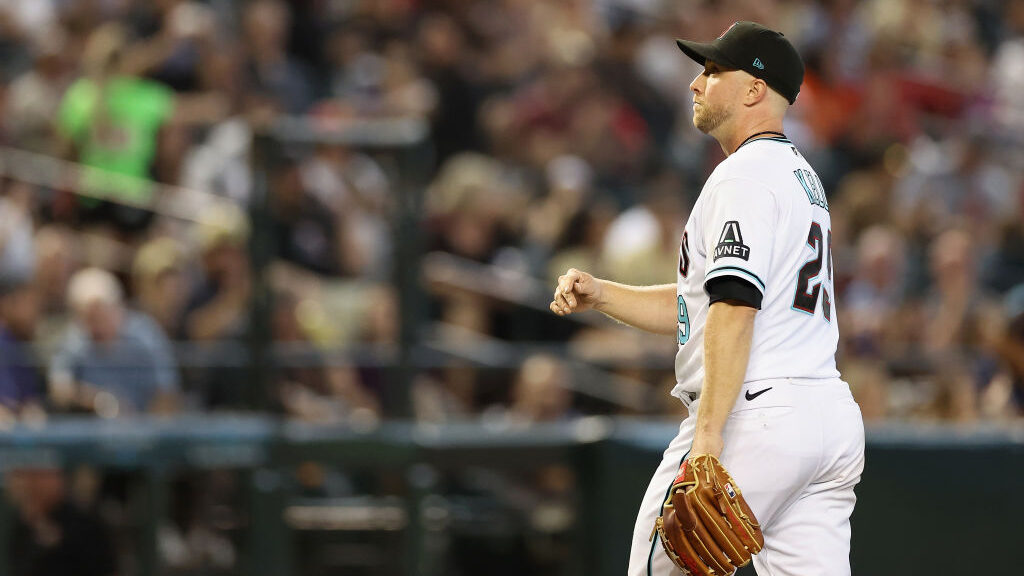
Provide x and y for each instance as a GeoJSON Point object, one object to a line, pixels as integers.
{"type": "Point", "coordinates": [148, 245]}
{"type": "Point", "coordinates": [560, 136]}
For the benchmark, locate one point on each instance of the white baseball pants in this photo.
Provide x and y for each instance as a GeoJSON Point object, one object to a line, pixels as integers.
{"type": "Point", "coordinates": [796, 451]}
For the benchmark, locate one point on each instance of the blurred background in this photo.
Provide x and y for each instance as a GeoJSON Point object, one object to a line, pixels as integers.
{"type": "Point", "coordinates": [274, 274]}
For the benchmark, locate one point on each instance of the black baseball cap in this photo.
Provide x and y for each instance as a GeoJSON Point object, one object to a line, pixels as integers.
{"type": "Point", "coordinates": [760, 51]}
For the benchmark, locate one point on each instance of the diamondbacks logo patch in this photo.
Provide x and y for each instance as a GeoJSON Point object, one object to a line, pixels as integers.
{"type": "Point", "coordinates": [730, 243]}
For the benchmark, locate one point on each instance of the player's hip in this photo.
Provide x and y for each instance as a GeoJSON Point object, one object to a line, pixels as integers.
{"type": "Point", "coordinates": [815, 419]}
{"type": "Point", "coordinates": [795, 392]}
{"type": "Point", "coordinates": [777, 392]}
{"type": "Point", "coordinates": [824, 379]}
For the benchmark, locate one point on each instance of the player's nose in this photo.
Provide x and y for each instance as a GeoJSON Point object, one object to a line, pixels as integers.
{"type": "Point", "coordinates": [698, 84]}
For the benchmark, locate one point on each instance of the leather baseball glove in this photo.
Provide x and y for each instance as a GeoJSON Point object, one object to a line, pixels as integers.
{"type": "Point", "coordinates": [706, 526]}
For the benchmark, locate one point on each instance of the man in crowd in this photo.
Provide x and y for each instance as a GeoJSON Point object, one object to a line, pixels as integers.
{"type": "Point", "coordinates": [111, 360]}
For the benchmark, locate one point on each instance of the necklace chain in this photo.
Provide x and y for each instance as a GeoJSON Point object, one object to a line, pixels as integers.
{"type": "Point", "coordinates": [752, 136]}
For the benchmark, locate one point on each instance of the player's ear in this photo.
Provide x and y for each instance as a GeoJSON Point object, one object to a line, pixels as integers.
{"type": "Point", "coordinates": [757, 91]}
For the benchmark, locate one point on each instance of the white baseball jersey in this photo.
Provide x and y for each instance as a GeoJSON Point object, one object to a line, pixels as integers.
{"type": "Point", "coordinates": [794, 440]}
{"type": "Point", "coordinates": [762, 216]}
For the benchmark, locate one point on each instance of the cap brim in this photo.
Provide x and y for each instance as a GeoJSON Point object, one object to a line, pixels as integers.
{"type": "Point", "coordinates": [701, 53]}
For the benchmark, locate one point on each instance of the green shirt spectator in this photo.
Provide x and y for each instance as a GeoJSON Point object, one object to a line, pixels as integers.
{"type": "Point", "coordinates": [115, 127]}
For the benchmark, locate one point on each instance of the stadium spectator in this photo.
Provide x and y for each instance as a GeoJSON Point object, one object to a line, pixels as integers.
{"type": "Point", "coordinates": [112, 360]}
{"type": "Point", "coordinates": [951, 311]}
{"type": "Point", "coordinates": [274, 79]}
{"type": "Point", "coordinates": [217, 308]}
{"type": "Point", "coordinates": [314, 390]}
{"type": "Point", "coordinates": [540, 392]}
{"type": "Point", "coordinates": [159, 283]}
{"type": "Point", "coordinates": [112, 120]}
{"type": "Point", "coordinates": [20, 390]}
{"type": "Point", "coordinates": [175, 37]}
{"type": "Point", "coordinates": [305, 230]}
{"type": "Point", "coordinates": [441, 46]}
{"type": "Point", "coordinates": [21, 24]}
{"type": "Point", "coordinates": [874, 294]}
{"type": "Point", "coordinates": [57, 256]}
{"type": "Point", "coordinates": [1003, 334]}
{"type": "Point", "coordinates": [355, 189]}
{"type": "Point", "coordinates": [644, 240]}
{"type": "Point", "coordinates": [34, 96]}
{"type": "Point", "coordinates": [52, 535]}
{"type": "Point", "coordinates": [1004, 266]}
{"type": "Point", "coordinates": [17, 258]}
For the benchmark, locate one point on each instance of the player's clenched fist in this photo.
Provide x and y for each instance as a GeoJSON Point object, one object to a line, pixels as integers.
{"type": "Point", "coordinates": [576, 291]}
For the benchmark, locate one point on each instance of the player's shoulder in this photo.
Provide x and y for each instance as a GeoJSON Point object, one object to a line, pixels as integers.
{"type": "Point", "coordinates": [741, 171]}
{"type": "Point", "coordinates": [768, 164]}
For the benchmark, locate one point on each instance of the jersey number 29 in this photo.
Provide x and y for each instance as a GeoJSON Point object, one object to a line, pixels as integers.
{"type": "Point", "coordinates": [683, 318]}
{"type": "Point", "coordinates": [808, 285]}
{"type": "Point", "coordinates": [683, 321]}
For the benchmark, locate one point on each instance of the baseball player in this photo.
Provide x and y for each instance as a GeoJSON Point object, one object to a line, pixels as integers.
{"type": "Point", "coordinates": [753, 313]}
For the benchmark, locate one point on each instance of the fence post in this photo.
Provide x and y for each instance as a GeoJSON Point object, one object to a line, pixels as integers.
{"type": "Point", "coordinates": [261, 252]}
{"type": "Point", "coordinates": [413, 165]}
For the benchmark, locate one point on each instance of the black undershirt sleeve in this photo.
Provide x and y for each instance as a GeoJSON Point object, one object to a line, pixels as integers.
{"type": "Point", "coordinates": [734, 289]}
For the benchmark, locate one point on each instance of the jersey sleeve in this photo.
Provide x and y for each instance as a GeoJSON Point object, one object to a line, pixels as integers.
{"type": "Point", "coordinates": [739, 227]}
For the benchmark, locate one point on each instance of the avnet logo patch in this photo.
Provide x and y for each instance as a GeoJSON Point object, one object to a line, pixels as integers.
{"type": "Point", "coordinates": [730, 243]}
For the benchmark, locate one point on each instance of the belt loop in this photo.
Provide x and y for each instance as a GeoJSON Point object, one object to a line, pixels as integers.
{"type": "Point", "coordinates": [688, 398]}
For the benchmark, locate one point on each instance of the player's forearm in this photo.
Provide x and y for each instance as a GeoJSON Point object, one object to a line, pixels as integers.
{"type": "Point", "coordinates": [650, 308]}
{"type": "Point", "coordinates": [727, 337]}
